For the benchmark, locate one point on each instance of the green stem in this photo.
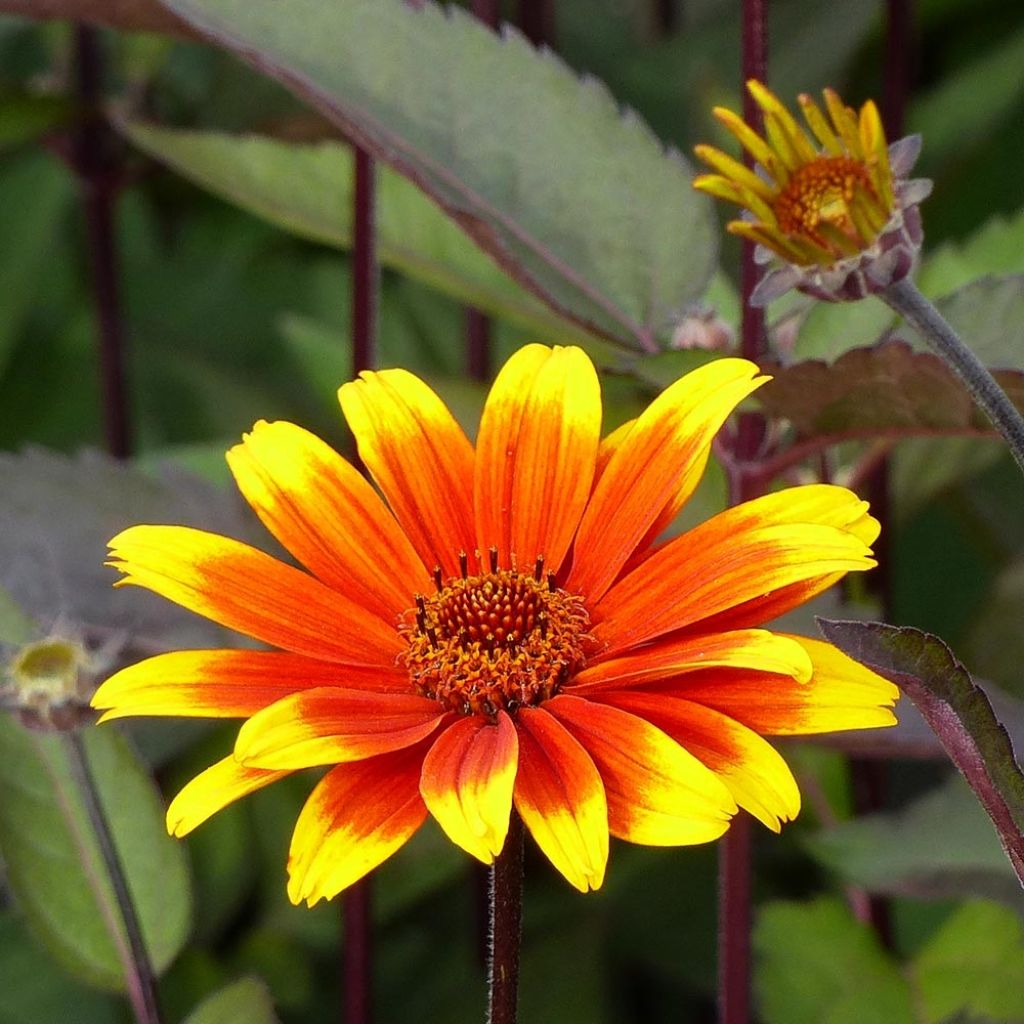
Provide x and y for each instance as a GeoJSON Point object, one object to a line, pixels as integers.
{"type": "Point", "coordinates": [907, 300]}
{"type": "Point", "coordinates": [140, 979]}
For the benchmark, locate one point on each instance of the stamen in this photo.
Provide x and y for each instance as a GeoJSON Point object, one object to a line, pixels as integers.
{"type": "Point", "coordinates": [493, 552]}
{"type": "Point", "coordinates": [552, 586]}
{"type": "Point", "coordinates": [538, 568]}
{"type": "Point", "coordinates": [463, 564]}
{"type": "Point", "coordinates": [438, 579]}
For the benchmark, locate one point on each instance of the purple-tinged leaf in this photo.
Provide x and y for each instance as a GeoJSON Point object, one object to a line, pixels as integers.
{"type": "Point", "coordinates": [574, 197]}
{"type": "Point", "coordinates": [888, 389]}
{"type": "Point", "coordinates": [926, 670]}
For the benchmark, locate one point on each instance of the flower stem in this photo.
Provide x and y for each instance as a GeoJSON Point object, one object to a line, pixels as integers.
{"type": "Point", "coordinates": [139, 976]}
{"type": "Point", "coordinates": [506, 924]}
{"type": "Point", "coordinates": [356, 954]}
{"type": "Point", "coordinates": [734, 912]}
{"type": "Point", "coordinates": [905, 298]}
{"type": "Point", "coordinates": [98, 175]}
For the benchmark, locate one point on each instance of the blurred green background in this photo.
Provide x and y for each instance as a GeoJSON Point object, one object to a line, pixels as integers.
{"type": "Point", "coordinates": [231, 317]}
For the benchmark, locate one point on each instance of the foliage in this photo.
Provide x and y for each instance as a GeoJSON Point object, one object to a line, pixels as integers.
{"type": "Point", "coordinates": [525, 184]}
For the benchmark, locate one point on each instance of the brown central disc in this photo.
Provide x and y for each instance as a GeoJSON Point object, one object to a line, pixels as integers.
{"type": "Point", "coordinates": [495, 641]}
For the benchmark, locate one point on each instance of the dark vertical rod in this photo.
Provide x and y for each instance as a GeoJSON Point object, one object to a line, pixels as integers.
{"type": "Point", "coordinates": [666, 17]}
{"type": "Point", "coordinates": [506, 924]}
{"type": "Point", "coordinates": [478, 325]}
{"type": "Point", "coordinates": [900, 57]}
{"type": "Point", "coordinates": [537, 20]}
{"type": "Point", "coordinates": [356, 955]}
{"type": "Point", "coordinates": [735, 849]}
{"type": "Point", "coordinates": [868, 778]}
{"type": "Point", "coordinates": [98, 179]}
{"type": "Point", "coordinates": [365, 272]}
{"type": "Point", "coordinates": [140, 980]}
{"type": "Point", "coordinates": [357, 964]}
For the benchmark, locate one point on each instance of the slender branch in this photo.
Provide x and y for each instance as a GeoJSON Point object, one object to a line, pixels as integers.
{"type": "Point", "coordinates": [734, 856]}
{"type": "Point", "coordinates": [127, 15]}
{"type": "Point", "coordinates": [506, 906]}
{"type": "Point", "coordinates": [356, 956]}
{"type": "Point", "coordinates": [98, 175]}
{"type": "Point", "coordinates": [907, 300]}
{"type": "Point", "coordinates": [141, 981]}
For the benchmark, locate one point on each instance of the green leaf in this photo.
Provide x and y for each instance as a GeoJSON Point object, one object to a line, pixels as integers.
{"type": "Point", "coordinates": [940, 845]}
{"type": "Point", "coordinates": [307, 189]}
{"type": "Point", "coordinates": [973, 965]}
{"type": "Point", "coordinates": [583, 205]}
{"type": "Point", "coordinates": [994, 644]}
{"type": "Point", "coordinates": [52, 564]}
{"type": "Point", "coordinates": [817, 965]}
{"type": "Point", "coordinates": [36, 991]}
{"type": "Point", "coordinates": [16, 627]}
{"type": "Point", "coordinates": [989, 315]}
{"type": "Point", "coordinates": [54, 867]}
{"type": "Point", "coordinates": [243, 1002]}
{"type": "Point", "coordinates": [36, 193]}
{"type": "Point", "coordinates": [24, 118]}
{"type": "Point", "coordinates": [956, 709]}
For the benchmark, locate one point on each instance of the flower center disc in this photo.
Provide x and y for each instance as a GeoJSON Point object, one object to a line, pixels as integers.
{"type": "Point", "coordinates": [822, 192]}
{"type": "Point", "coordinates": [495, 641]}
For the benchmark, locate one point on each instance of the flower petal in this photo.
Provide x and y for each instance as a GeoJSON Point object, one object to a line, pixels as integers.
{"type": "Point", "coordinates": [841, 694]}
{"type": "Point", "coordinates": [536, 452]}
{"type": "Point", "coordinates": [356, 817]}
{"type": "Point", "coordinates": [227, 684]}
{"type": "Point", "coordinates": [467, 782]}
{"type": "Point", "coordinates": [740, 555]}
{"type": "Point", "coordinates": [756, 649]}
{"type": "Point", "coordinates": [753, 771]}
{"type": "Point", "coordinates": [328, 516]}
{"type": "Point", "coordinates": [658, 793]}
{"type": "Point", "coordinates": [247, 590]}
{"type": "Point", "coordinates": [212, 790]}
{"type": "Point", "coordinates": [331, 725]}
{"type": "Point", "coordinates": [560, 796]}
{"type": "Point", "coordinates": [419, 457]}
{"type": "Point", "coordinates": [647, 470]}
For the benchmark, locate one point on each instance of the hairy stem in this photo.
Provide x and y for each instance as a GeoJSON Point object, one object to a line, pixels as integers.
{"type": "Point", "coordinates": [905, 298]}
{"type": "Point", "coordinates": [506, 921]}
{"type": "Point", "coordinates": [141, 981]}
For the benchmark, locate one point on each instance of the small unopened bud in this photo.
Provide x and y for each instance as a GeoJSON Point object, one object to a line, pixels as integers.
{"type": "Point", "coordinates": [49, 683]}
{"type": "Point", "coordinates": [702, 327]}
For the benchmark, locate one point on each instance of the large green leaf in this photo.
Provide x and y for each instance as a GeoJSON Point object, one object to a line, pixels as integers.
{"type": "Point", "coordinates": [243, 1002]}
{"type": "Point", "coordinates": [575, 198]}
{"type": "Point", "coordinates": [36, 192]}
{"type": "Point", "coordinates": [817, 965]}
{"type": "Point", "coordinates": [941, 845]}
{"type": "Point", "coordinates": [36, 991]}
{"type": "Point", "coordinates": [307, 189]}
{"type": "Point", "coordinates": [53, 863]}
{"type": "Point", "coordinates": [974, 964]}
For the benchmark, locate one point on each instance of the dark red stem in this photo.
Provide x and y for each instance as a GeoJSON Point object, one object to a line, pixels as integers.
{"type": "Point", "coordinates": [488, 11]}
{"type": "Point", "coordinates": [356, 956]}
{"type": "Point", "coordinates": [899, 65]}
{"type": "Point", "coordinates": [364, 265]}
{"type": "Point", "coordinates": [734, 868]}
{"type": "Point", "coordinates": [537, 20]}
{"type": "Point", "coordinates": [478, 325]}
{"type": "Point", "coordinates": [506, 922]}
{"type": "Point", "coordinates": [666, 17]}
{"type": "Point", "coordinates": [99, 179]}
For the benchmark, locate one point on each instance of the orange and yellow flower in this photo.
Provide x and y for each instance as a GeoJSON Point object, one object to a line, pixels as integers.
{"type": "Point", "coordinates": [833, 203]}
{"type": "Point", "coordinates": [501, 629]}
